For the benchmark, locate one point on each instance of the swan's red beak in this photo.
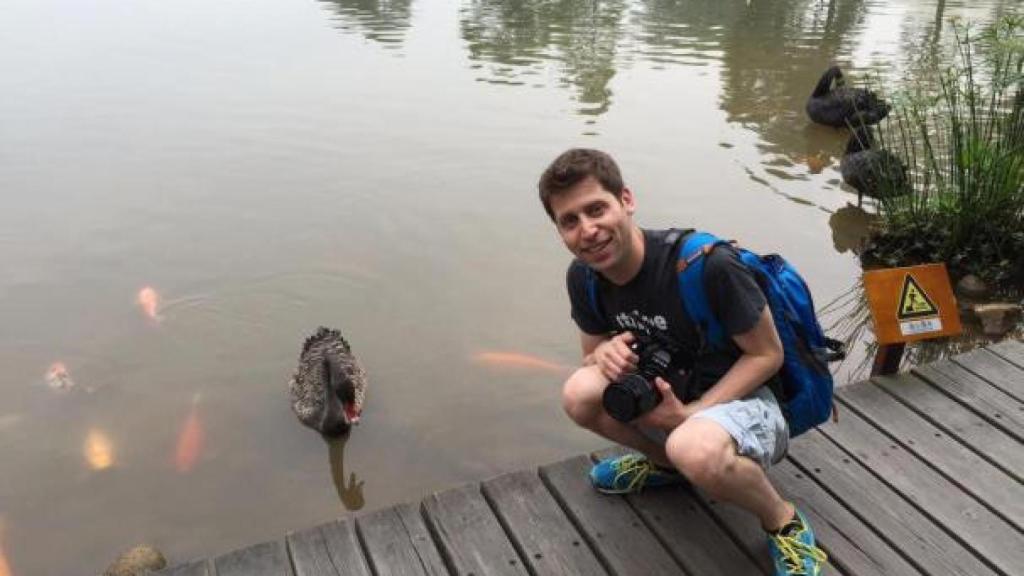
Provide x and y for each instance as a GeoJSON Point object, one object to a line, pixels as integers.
{"type": "Point", "coordinates": [352, 414]}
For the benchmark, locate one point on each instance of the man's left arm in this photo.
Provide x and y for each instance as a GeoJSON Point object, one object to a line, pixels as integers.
{"type": "Point", "coordinates": [761, 358]}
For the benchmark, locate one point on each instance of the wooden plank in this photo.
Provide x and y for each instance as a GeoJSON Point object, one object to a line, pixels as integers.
{"type": "Point", "coordinates": [265, 559]}
{"type": "Point", "coordinates": [690, 534]}
{"type": "Point", "coordinates": [977, 526]}
{"type": "Point", "coordinates": [961, 466]}
{"type": "Point", "coordinates": [194, 568]}
{"type": "Point", "coordinates": [746, 529]}
{"type": "Point", "coordinates": [1002, 374]}
{"type": "Point", "coordinates": [468, 534]}
{"type": "Point", "coordinates": [343, 548]}
{"type": "Point", "coordinates": [546, 540]}
{"type": "Point", "coordinates": [851, 545]}
{"type": "Point", "coordinates": [697, 534]}
{"type": "Point", "coordinates": [617, 535]}
{"type": "Point", "coordinates": [1000, 409]}
{"type": "Point", "coordinates": [693, 537]}
{"type": "Point", "coordinates": [398, 543]}
{"type": "Point", "coordinates": [309, 553]}
{"type": "Point", "coordinates": [928, 547]}
{"type": "Point", "coordinates": [995, 445]}
{"type": "Point", "coordinates": [1010, 349]}
{"type": "Point", "coordinates": [743, 528]}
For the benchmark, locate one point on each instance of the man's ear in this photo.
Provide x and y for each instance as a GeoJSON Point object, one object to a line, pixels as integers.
{"type": "Point", "coordinates": [627, 200]}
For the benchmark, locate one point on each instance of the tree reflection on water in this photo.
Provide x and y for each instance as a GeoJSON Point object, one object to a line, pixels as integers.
{"type": "Point", "coordinates": [382, 21]}
{"type": "Point", "coordinates": [513, 40]}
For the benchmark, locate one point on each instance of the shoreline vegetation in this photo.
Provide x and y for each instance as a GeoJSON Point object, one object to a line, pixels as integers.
{"type": "Point", "coordinates": [957, 128]}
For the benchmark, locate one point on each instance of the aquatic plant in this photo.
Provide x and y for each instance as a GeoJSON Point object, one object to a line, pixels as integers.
{"type": "Point", "coordinates": [960, 131]}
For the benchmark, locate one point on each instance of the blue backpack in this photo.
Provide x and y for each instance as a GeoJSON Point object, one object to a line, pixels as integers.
{"type": "Point", "coordinates": [806, 380]}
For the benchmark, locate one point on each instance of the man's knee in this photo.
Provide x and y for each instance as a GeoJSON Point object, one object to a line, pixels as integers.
{"type": "Point", "coordinates": [703, 451]}
{"type": "Point", "coordinates": [581, 395]}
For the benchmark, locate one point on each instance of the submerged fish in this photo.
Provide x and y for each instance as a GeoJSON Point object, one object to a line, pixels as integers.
{"type": "Point", "coordinates": [518, 361]}
{"type": "Point", "coordinates": [817, 162]}
{"type": "Point", "coordinates": [5, 567]}
{"type": "Point", "coordinates": [98, 450]}
{"type": "Point", "coordinates": [190, 439]}
{"type": "Point", "coordinates": [57, 377]}
{"type": "Point", "coordinates": [149, 301]}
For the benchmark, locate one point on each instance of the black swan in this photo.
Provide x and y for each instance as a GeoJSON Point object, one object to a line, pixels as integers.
{"type": "Point", "coordinates": [872, 172]}
{"type": "Point", "coordinates": [329, 385]}
{"type": "Point", "coordinates": [837, 106]}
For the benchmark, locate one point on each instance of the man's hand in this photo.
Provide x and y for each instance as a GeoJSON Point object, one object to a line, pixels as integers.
{"type": "Point", "coordinates": [614, 357]}
{"type": "Point", "coordinates": [670, 412]}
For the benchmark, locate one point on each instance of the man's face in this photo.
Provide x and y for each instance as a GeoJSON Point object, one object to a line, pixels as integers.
{"type": "Point", "coordinates": [595, 226]}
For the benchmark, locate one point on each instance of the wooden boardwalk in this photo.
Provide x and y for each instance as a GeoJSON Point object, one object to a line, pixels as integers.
{"type": "Point", "coordinates": [923, 474]}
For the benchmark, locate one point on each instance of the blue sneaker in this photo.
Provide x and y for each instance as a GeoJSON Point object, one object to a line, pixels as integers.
{"type": "Point", "coordinates": [793, 550]}
{"type": "Point", "coordinates": [631, 473]}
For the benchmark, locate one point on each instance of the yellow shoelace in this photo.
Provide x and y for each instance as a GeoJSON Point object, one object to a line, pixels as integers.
{"type": "Point", "coordinates": [794, 551]}
{"type": "Point", "coordinates": [638, 466]}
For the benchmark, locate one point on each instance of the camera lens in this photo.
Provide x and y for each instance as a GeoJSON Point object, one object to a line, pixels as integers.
{"type": "Point", "coordinates": [630, 397]}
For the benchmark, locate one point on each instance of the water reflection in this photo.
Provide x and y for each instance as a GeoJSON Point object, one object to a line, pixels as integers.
{"type": "Point", "coordinates": [350, 490]}
{"type": "Point", "coordinates": [382, 21]}
{"type": "Point", "coordinates": [774, 54]}
{"type": "Point", "coordinates": [850, 226]}
{"type": "Point", "coordinates": [771, 52]}
{"type": "Point", "coordinates": [511, 41]}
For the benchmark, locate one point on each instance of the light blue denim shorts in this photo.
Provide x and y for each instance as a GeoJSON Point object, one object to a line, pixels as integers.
{"type": "Point", "coordinates": [755, 423]}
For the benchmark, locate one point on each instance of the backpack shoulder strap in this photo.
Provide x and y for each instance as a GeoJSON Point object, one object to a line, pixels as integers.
{"type": "Point", "coordinates": [591, 284]}
{"type": "Point", "coordinates": [690, 269]}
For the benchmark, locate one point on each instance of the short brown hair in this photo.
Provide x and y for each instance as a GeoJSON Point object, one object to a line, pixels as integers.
{"type": "Point", "coordinates": [574, 166]}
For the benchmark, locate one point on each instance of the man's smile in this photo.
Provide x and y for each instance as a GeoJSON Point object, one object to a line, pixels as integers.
{"type": "Point", "coordinates": [597, 247]}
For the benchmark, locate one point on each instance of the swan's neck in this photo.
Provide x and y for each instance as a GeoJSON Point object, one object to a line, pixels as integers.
{"type": "Point", "coordinates": [860, 141]}
{"type": "Point", "coordinates": [825, 83]}
{"type": "Point", "coordinates": [333, 410]}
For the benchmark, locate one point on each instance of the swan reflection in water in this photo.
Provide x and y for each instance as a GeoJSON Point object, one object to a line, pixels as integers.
{"type": "Point", "coordinates": [350, 490]}
{"type": "Point", "coordinates": [851, 228]}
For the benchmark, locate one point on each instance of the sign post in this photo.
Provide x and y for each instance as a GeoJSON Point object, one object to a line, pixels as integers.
{"type": "Point", "coordinates": [909, 304]}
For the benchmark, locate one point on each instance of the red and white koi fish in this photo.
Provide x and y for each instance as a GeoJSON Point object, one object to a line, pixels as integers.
{"type": "Point", "coordinates": [149, 301]}
{"type": "Point", "coordinates": [519, 361]}
{"type": "Point", "coordinates": [190, 439]}
{"type": "Point", "coordinates": [5, 567]}
{"type": "Point", "coordinates": [58, 378]}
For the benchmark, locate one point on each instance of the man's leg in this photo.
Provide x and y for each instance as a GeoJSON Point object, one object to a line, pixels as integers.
{"type": "Point", "coordinates": [725, 450]}
{"type": "Point", "coordinates": [706, 454]}
{"type": "Point", "coordinates": [581, 399]}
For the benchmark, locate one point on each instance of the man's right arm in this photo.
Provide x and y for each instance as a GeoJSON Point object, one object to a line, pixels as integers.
{"type": "Point", "coordinates": [611, 354]}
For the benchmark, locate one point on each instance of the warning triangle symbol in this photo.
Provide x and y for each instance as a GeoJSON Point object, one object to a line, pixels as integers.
{"type": "Point", "coordinates": [914, 302]}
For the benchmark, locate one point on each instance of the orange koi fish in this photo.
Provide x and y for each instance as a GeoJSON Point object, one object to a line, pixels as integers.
{"type": "Point", "coordinates": [518, 361]}
{"type": "Point", "coordinates": [149, 301]}
{"type": "Point", "coordinates": [817, 162]}
{"type": "Point", "coordinates": [190, 439]}
{"type": "Point", "coordinates": [5, 567]}
{"type": "Point", "coordinates": [98, 450]}
{"type": "Point", "coordinates": [57, 376]}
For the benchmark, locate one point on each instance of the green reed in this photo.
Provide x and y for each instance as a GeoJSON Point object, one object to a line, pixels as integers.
{"type": "Point", "coordinates": [960, 131]}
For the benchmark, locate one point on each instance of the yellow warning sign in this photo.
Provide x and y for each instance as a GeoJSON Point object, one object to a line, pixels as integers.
{"type": "Point", "coordinates": [914, 302]}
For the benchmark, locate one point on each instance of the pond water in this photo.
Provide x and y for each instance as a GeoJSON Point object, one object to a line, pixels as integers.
{"type": "Point", "coordinates": [268, 167]}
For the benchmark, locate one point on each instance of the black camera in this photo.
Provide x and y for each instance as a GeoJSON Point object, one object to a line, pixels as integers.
{"type": "Point", "coordinates": [635, 393]}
